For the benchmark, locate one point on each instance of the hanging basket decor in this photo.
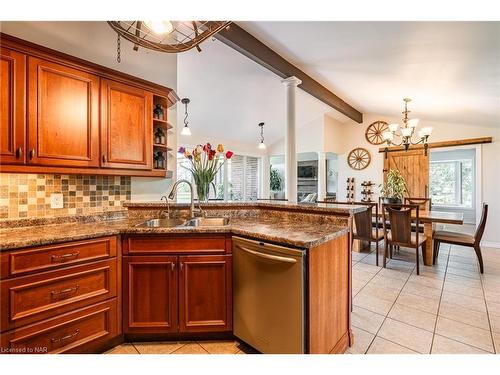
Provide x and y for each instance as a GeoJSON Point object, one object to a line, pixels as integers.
{"type": "Point", "coordinates": [169, 36]}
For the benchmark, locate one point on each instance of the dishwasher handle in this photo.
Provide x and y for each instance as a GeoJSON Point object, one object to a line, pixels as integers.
{"type": "Point", "coordinates": [268, 256]}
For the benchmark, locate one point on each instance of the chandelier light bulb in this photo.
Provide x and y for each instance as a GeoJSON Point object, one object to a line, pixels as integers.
{"type": "Point", "coordinates": [406, 132]}
{"type": "Point", "coordinates": [393, 127]}
{"type": "Point", "coordinates": [387, 136]}
{"type": "Point", "coordinates": [262, 146]}
{"type": "Point", "coordinates": [160, 27]}
{"type": "Point", "coordinates": [413, 123]}
{"type": "Point", "coordinates": [185, 130]}
{"type": "Point", "coordinates": [427, 131]}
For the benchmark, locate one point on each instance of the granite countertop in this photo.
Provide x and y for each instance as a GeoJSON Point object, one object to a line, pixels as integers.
{"type": "Point", "coordinates": [274, 229]}
{"type": "Point", "coordinates": [278, 228]}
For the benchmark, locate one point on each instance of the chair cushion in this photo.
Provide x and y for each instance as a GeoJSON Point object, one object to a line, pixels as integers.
{"type": "Point", "coordinates": [447, 236]}
{"type": "Point", "coordinates": [421, 238]}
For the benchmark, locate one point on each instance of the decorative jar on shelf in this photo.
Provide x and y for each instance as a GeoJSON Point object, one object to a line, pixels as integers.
{"type": "Point", "coordinates": [158, 112]}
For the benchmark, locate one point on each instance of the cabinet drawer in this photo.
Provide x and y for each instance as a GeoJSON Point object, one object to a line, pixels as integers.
{"type": "Point", "coordinates": [77, 331]}
{"type": "Point", "coordinates": [31, 298]}
{"type": "Point", "coordinates": [197, 243]}
{"type": "Point", "coordinates": [55, 256]}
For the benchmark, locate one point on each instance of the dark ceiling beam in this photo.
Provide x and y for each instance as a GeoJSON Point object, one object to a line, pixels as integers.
{"type": "Point", "coordinates": [240, 40]}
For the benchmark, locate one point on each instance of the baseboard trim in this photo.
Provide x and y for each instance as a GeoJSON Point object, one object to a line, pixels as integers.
{"type": "Point", "coordinates": [496, 245]}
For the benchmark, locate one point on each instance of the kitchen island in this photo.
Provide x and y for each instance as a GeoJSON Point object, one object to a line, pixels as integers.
{"type": "Point", "coordinates": [120, 281]}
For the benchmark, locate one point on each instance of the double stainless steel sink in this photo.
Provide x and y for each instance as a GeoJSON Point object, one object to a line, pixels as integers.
{"type": "Point", "coordinates": [195, 222]}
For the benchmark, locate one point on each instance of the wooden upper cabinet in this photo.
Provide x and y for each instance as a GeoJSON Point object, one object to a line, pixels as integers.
{"type": "Point", "coordinates": [12, 106]}
{"type": "Point", "coordinates": [63, 121]}
{"type": "Point", "coordinates": [205, 293]}
{"type": "Point", "coordinates": [126, 126]}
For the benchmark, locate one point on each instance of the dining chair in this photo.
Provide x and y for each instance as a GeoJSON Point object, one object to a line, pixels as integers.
{"type": "Point", "coordinates": [399, 217]}
{"type": "Point", "coordinates": [455, 238]}
{"type": "Point", "coordinates": [425, 204]}
{"type": "Point", "coordinates": [363, 230]}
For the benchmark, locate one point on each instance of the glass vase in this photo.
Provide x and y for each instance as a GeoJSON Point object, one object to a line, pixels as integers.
{"type": "Point", "coordinates": [202, 189]}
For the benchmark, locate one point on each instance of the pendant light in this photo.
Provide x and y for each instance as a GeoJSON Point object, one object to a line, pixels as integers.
{"type": "Point", "coordinates": [185, 130]}
{"type": "Point", "coordinates": [262, 145]}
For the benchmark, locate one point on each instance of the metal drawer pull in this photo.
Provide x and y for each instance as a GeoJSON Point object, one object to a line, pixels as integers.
{"type": "Point", "coordinates": [19, 152]}
{"type": "Point", "coordinates": [64, 338]}
{"type": "Point", "coordinates": [173, 266]}
{"type": "Point", "coordinates": [268, 256]}
{"type": "Point", "coordinates": [32, 153]}
{"type": "Point", "coordinates": [56, 293]}
{"type": "Point", "coordinates": [64, 257]}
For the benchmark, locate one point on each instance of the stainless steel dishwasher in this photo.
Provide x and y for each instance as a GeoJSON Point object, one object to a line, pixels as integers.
{"type": "Point", "coordinates": [268, 296]}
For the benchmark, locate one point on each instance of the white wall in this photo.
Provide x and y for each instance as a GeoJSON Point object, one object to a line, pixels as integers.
{"type": "Point", "coordinates": [96, 42]}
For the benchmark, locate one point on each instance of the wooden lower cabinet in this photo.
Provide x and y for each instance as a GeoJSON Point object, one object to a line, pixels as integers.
{"type": "Point", "coordinates": [177, 294]}
{"type": "Point", "coordinates": [82, 330]}
{"type": "Point", "coordinates": [150, 294]}
{"type": "Point", "coordinates": [205, 293]}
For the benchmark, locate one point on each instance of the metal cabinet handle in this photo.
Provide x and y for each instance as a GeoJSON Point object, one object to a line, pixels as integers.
{"type": "Point", "coordinates": [32, 153]}
{"type": "Point", "coordinates": [64, 338]}
{"type": "Point", "coordinates": [64, 292]}
{"type": "Point", "coordinates": [173, 266]}
{"type": "Point", "coordinates": [104, 158]}
{"type": "Point", "coordinates": [19, 152]}
{"type": "Point", "coordinates": [64, 257]}
{"type": "Point", "coordinates": [268, 256]}
{"type": "Point", "coordinates": [181, 264]}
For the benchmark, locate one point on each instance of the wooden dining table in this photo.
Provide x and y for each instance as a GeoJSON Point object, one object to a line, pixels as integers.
{"type": "Point", "coordinates": [430, 219]}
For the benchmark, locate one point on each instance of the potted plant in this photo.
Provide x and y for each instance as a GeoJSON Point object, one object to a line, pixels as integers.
{"type": "Point", "coordinates": [275, 181]}
{"type": "Point", "coordinates": [394, 188]}
{"type": "Point", "coordinates": [204, 163]}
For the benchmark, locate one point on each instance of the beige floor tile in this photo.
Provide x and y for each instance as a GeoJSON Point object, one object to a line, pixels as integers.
{"type": "Point", "coordinates": [496, 339]}
{"type": "Point", "coordinates": [492, 295]}
{"type": "Point", "coordinates": [464, 333]}
{"type": "Point", "coordinates": [191, 348]}
{"type": "Point", "coordinates": [394, 274]}
{"type": "Point", "coordinates": [123, 349]}
{"type": "Point", "coordinates": [362, 340]}
{"type": "Point", "coordinates": [374, 304]}
{"type": "Point", "coordinates": [158, 347]}
{"type": "Point", "coordinates": [493, 308]}
{"type": "Point", "coordinates": [361, 275]}
{"type": "Point", "coordinates": [366, 268]}
{"type": "Point", "coordinates": [220, 347]}
{"type": "Point", "coordinates": [406, 335]}
{"type": "Point", "coordinates": [438, 275]}
{"type": "Point", "coordinates": [417, 318]}
{"type": "Point", "coordinates": [426, 304]}
{"type": "Point", "coordinates": [358, 284]}
{"type": "Point", "coordinates": [461, 314]}
{"type": "Point", "coordinates": [383, 346]}
{"type": "Point", "coordinates": [386, 294]}
{"type": "Point", "coordinates": [387, 282]}
{"type": "Point", "coordinates": [461, 280]}
{"type": "Point", "coordinates": [431, 282]}
{"type": "Point", "coordinates": [463, 289]}
{"type": "Point", "coordinates": [464, 272]}
{"type": "Point", "coordinates": [421, 290]}
{"type": "Point", "coordinates": [444, 345]}
{"type": "Point", "coordinates": [472, 303]}
{"type": "Point", "coordinates": [356, 257]}
{"type": "Point", "coordinates": [366, 319]}
{"type": "Point", "coordinates": [495, 323]}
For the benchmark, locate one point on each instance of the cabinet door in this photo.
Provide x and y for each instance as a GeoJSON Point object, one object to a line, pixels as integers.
{"type": "Point", "coordinates": [205, 293]}
{"type": "Point", "coordinates": [150, 294]}
{"type": "Point", "coordinates": [126, 126]}
{"type": "Point", "coordinates": [63, 121]}
{"type": "Point", "coordinates": [12, 106]}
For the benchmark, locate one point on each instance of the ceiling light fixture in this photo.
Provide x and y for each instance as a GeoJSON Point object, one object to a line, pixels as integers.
{"type": "Point", "coordinates": [262, 145]}
{"type": "Point", "coordinates": [185, 130]}
{"type": "Point", "coordinates": [159, 27]}
{"type": "Point", "coordinates": [406, 132]}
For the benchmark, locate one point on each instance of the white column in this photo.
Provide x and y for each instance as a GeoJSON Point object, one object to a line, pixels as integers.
{"type": "Point", "coordinates": [291, 84]}
{"type": "Point", "coordinates": [321, 176]}
{"type": "Point", "coordinates": [264, 186]}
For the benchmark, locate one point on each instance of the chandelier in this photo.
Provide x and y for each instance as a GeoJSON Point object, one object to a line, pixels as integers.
{"type": "Point", "coordinates": [406, 132]}
{"type": "Point", "coordinates": [166, 36]}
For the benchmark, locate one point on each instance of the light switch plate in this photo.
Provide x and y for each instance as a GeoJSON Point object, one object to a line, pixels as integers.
{"type": "Point", "coordinates": [56, 200]}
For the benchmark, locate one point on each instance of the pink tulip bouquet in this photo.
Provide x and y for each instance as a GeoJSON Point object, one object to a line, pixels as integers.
{"type": "Point", "coordinates": [204, 163]}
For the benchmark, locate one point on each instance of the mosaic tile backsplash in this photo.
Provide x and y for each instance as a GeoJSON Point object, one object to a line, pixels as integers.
{"type": "Point", "coordinates": [28, 195]}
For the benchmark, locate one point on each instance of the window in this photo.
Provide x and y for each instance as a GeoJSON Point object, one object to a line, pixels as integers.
{"type": "Point", "coordinates": [241, 175]}
{"type": "Point", "coordinates": [452, 182]}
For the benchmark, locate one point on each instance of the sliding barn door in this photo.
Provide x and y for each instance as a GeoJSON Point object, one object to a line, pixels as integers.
{"type": "Point", "coordinates": [414, 167]}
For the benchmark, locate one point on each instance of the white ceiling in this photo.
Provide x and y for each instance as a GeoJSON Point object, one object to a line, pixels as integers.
{"type": "Point", "coordinates": [230, 94]}
{"type": "Point", "coordinates": [451, 70]}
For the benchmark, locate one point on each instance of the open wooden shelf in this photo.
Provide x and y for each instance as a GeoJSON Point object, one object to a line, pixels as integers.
{"type": "Point", "coordinates": [162, 147]}
{"type": "Point", "coordinates": [164, 124]}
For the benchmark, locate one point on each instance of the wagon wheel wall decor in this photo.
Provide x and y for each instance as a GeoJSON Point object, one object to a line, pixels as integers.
{"type": "Point", "coordinates": [374, 132]}
{"type": "Point", "coordinates": [359, 158]}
